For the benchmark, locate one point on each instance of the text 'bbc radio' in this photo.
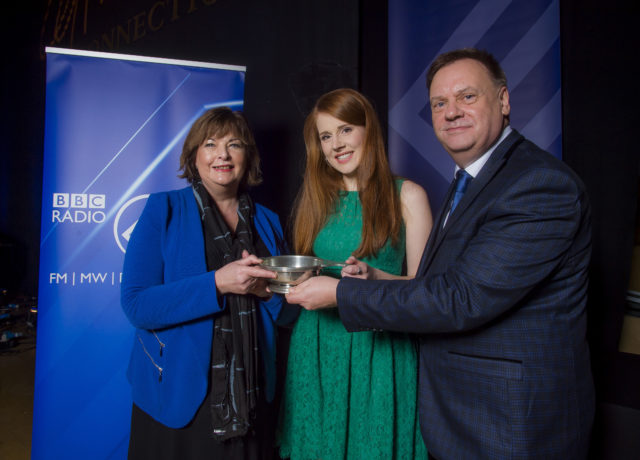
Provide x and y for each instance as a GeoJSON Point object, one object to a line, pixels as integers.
{"type": "Point", "coordinates": [79, 208]}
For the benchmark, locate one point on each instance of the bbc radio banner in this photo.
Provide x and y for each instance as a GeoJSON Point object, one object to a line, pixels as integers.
{"type": "Point", "coordinates": [114, 130]}
{"type": "Point", "coordinates": [524, 35]}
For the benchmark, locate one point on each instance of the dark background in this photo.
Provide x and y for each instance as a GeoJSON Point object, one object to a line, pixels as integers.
{"type": "Point", "coordinates": [297, 50]}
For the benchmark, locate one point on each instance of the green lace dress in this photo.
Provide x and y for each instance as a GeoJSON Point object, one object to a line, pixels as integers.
{"type": "Point", "coordinates": [350, 395]}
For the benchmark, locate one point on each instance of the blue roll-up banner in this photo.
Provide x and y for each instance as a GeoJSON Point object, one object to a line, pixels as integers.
{"type": "Point", "coordinates": [524, 35]}
{"type": "Point", "coordinates": [114, 130]}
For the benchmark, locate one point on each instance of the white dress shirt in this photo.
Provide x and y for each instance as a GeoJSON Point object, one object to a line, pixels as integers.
{"type": "Point", "coordinates": [474, 168]}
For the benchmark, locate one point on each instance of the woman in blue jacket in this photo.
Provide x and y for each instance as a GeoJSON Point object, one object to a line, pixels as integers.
{"type": "Point", "coordinates": [202, 367]}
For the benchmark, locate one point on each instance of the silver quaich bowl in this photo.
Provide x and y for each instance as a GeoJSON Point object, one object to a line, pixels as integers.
{"type": "Point", "coordinates": [292, 270]}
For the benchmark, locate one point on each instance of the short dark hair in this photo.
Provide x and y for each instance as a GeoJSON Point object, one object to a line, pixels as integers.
{"type": "Point", "coordinates": [483, 57]}
{"type": "Point", "coordinates": [219, 122]}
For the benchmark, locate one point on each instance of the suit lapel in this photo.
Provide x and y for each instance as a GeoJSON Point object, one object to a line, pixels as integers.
{"type": "Point", "coordinates": [435, 231]}
{"type": "Point", "coordinates": [493, 165]}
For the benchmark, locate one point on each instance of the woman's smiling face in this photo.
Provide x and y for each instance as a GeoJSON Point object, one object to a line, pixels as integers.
{"type": "Point", "coordinates": [221, 163]}
{"type": "Point", "coordinates": [341, 143]}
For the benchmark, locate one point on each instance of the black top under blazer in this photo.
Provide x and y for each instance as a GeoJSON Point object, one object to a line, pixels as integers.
{"type": "Point", "coordinates": [498, 304]}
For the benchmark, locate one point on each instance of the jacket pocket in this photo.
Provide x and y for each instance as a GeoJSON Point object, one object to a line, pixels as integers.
{"type": "Point", "coordinates": [148, 351]}
{"type": "Point", "coordinates": [492, 367]}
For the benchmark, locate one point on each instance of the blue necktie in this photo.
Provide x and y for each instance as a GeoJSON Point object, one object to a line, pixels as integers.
{"type": "Point", "coordinates": [462, 181]}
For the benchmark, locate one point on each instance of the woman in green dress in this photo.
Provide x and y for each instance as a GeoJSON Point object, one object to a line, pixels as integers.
{"type": "Point", "coordinates": [353, 395]}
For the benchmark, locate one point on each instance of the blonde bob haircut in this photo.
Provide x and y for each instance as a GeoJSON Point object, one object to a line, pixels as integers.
{"type": "Point", "coordinates": [319, 194]}
{"type": "Point", "coordinates": [216, 123]}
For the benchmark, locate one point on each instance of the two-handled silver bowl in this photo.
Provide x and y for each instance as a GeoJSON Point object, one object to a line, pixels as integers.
{"type": "Point", "coordinates": [292, 270]}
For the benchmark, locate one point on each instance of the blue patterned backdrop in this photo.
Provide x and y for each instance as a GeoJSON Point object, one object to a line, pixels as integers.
{"type": "Point", "coordinates": [524, 35]}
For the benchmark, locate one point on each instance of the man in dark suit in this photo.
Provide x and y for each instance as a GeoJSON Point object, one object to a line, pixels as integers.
{"type": "Point", "coordinates": [498, 302]}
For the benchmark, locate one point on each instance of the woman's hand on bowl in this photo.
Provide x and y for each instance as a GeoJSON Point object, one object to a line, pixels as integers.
{"type": "Point", "coordinates": [243, 276]}
{"type": "Point", "coordinates": [357, 269]}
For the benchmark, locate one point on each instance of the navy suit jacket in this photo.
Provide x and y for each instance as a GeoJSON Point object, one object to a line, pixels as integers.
{"type": "Point", "coordinates": [499, 305]}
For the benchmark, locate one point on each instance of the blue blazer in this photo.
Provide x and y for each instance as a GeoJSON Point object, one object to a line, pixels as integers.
{"type": "Point", "coordinates": [499, 306]}
{"type": "Point", "coordinates": [170, 298]}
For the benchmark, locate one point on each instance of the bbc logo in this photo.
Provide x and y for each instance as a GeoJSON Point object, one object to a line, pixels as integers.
{"type": "Point", "coordinates": [79, 200]}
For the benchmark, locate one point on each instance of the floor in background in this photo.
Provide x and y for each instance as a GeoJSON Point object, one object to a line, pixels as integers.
{"type": "Point", "coordinates": [17, 372]}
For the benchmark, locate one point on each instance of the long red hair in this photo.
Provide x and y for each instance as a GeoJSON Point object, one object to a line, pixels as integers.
{"type": "Point", "coordinates": [381, 207]}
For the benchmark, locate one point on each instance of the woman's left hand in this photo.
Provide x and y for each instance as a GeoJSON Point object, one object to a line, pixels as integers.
{"type": "Point", "coordinates": [357, 269]}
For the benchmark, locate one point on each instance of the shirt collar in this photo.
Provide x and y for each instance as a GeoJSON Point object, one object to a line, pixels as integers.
{"type": "Point", "coordinates": [474, 168]}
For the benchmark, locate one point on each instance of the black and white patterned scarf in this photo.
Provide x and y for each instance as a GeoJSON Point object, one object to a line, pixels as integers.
{"type": "Point", "coordinates": [234, 356]}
